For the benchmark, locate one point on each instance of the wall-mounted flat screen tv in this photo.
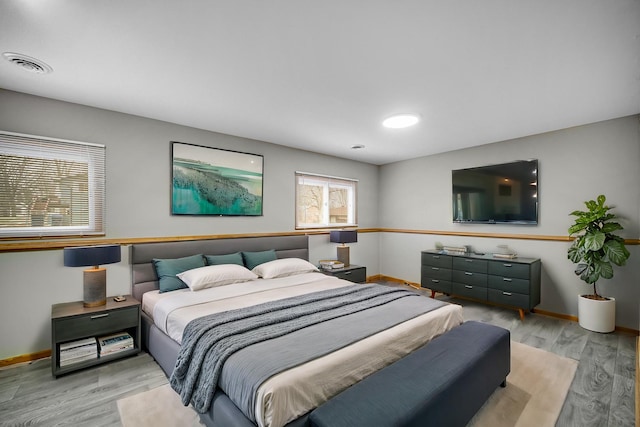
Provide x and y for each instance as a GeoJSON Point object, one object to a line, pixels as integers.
{"type": "Point", "coordinates": [503, 193]}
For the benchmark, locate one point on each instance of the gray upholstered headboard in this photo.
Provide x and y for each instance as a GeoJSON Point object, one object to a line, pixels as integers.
{"type": "Point", "coordinates": [143, 275]}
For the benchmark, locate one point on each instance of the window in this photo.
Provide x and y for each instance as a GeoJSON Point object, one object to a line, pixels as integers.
{"type": "Point", "coordinates": [50, 187]}
{"type": "Point", "coordinates": [325, 201]}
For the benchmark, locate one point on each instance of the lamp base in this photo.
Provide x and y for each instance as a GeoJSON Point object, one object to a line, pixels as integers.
{"type": "Point", "coordinates": [95, 287]}
{"type": "Point", "coordinates": [343, 255]}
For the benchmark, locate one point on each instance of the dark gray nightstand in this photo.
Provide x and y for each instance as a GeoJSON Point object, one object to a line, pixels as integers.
{"type": "Point", "coordinates": [72, 321]}
{"type": "Point", "coordinates": [353, 273]}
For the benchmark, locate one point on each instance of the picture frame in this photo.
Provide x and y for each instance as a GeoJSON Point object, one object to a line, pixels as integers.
{"type": "Point", "coordinates": [215, 181]}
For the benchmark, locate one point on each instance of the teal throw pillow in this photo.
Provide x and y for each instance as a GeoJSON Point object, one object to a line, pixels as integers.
{"type": "Point", "coordinates": [225, 259]}
{"type": "Point", "coordinates": [253, 259]}
{"type": "Point", "coordinates": [166, 269]}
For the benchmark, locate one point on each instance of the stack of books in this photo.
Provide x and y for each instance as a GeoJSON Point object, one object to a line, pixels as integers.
{"type": "Point", "coordinates": [505, 256]}
{"type": "Point", "coordinates": [115, 343]}
{"type": "Point", "coordinates": [78, 351]}
{"type": "Point", "coordinates": [330, 264]}
{"type": "Point", "coordinates": [459, 250]}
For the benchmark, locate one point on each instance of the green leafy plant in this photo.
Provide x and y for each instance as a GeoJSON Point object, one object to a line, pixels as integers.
{"type": "Point", "coordinates": [596, 248]}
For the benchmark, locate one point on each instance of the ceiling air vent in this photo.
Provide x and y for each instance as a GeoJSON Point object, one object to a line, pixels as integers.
{"type": "Point", "coordinates": [27, 63]}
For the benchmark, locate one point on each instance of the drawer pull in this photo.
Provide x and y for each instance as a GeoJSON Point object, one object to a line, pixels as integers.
{"type": "Point", "coordinates": [436, 257]}
{"type": "Point", "coordinates": [99, 316]}
{"type": "Point", "coordinates": [347, 272]}
{"type": "Point", "coordinates": [508, 265]}
{"type": "Point", "coordinates": [507, 294]}
{"type": "Point", "coordinates": [435, 281]}
{"type": "Point", "coordinates": [468, 260]}
{"type": "Point", "coordinates": [435, 268]}
{"type": "Point", "coordinates": [506, 279]}
{"type": "Point", "coordinates": [468, 274]}
{"type": "Point", "coordinates": [468, 286]}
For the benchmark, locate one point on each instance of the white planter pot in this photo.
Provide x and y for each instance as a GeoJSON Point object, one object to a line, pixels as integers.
{"type": "Point", "coordinates": [597, 316]}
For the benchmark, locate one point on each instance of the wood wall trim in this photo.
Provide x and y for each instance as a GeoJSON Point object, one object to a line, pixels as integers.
{"type": "Point", "coordinates": [44, 245]}
{"type": "Point", "coordinates": [475, 234]}
{"type": "Point", "coordinates": [25, 358]}
{"type": "Point", "coordinates": [540, 237]}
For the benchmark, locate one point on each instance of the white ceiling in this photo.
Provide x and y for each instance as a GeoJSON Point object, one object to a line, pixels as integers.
{"type": "Point", "coordinates": [322, 75]}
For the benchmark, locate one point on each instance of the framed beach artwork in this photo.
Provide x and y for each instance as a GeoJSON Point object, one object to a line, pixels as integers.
{"type": "Point", "coordinates": [213, 181]}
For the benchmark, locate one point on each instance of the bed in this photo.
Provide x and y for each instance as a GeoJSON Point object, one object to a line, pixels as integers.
{"type": "Point", "coordinates": [286, 395]}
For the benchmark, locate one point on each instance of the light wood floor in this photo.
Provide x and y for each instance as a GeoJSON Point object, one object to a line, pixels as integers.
{"type": "Point", "coordinates": [602, 393]}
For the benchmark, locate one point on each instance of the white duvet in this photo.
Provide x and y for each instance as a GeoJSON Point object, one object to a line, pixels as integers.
{"type": "Point", "coordinates": [296, 391]}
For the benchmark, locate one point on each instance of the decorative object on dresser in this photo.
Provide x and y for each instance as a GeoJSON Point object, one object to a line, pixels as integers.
{"type": "Point", "coordinates": [595, 250]}
{"type": "Point", "coordinates": [342, 237]}
{"type": "Point", "coordinates": [513, 282]}
{"type": "Point", "coordinates": [95, 279]}
{"type": "Point", "coordinates": [87, 336]}
{"type": "Point", "coordinates": [352, 273]}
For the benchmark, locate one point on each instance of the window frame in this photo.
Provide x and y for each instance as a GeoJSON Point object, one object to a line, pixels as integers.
{"type": "Point", "coordinates": [327, 181]}
{"type": "Point", "coordinates": [94, 155]}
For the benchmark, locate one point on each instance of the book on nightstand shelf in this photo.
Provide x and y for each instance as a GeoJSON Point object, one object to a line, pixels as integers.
{"type": "Point", "coordinates": [115, 343]}
{"type": "Point", "coordinates": [78, 351]}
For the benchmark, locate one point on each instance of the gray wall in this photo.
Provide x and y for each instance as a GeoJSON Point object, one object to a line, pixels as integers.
{"type": "Point", "coordinates": [138, 186]}
{"type": "Point", "coordinates": [575, 165]}
{"type": "Point", "coordinates": [415, 194]}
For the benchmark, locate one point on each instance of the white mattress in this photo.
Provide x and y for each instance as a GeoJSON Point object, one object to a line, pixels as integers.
{"type": "Point", "coordinates": [294, 392]}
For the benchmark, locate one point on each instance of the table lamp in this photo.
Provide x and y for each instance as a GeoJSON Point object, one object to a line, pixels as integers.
{"type": "Point", "coordinates": [343, 236]}
{"type": "Point", "coordinates": [95, 279]}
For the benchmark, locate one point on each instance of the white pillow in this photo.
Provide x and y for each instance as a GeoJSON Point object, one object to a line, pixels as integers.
{"type": "Point", "coordinates": [283, 267]}
{"type": "Point", "coordinates": [215, 275]}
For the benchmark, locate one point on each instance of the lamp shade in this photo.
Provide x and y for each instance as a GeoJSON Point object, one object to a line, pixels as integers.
{"type": "Point", "coordinates": [83, 256]}
{"type": "Point", "coordinates": [343, 236]}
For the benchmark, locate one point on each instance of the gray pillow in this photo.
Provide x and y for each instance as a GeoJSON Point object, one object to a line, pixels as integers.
{"type": "Point", "coordinates": [253, 259]}
{"type": "Point", "coordinates": [167, 269]}
{"type": "Point", "coordinates": [225, 259]}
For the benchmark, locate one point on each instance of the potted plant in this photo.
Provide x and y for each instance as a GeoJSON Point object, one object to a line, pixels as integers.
{"type": "Point", "coordinates": [595, 249]}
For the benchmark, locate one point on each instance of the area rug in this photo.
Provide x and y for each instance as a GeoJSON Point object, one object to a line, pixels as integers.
{"type": "Point", "coordinates": [536, 389]}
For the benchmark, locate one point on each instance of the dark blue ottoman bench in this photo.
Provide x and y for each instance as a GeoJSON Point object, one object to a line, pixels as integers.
{"type": "Point", "coordinates": [443, 383]}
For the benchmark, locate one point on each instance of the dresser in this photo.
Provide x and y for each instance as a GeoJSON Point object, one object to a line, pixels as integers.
{"type": "Point", "coordinates": [510, 282]}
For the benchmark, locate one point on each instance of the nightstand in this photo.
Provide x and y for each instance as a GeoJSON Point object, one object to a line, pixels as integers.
{"type": "Point", "coordinates": [353, 273]}
{"type": "Point", "coordinates": [72, 322]}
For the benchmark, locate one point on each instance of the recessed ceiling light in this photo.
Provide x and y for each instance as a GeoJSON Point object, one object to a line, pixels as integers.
{"type": "Point", "coordinates": [400, 121]}
{"type": "Point", "coordinates": [28, 63]}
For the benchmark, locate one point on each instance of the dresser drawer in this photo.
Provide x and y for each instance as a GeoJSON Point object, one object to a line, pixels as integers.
{"type": "Point", "coordinates": [509, 269]}
{"type": "Point", "coordinates": [469, 278]}
{"type": "Point", "coordinates": [509, 284]}
{"type": "Point", "coordinates": [436, 260]}
{"type": "Point", "coordinates": [94, 324]}
{"type": "Point", "coordinates": [509, 298]}
{"type": "Point", "coordinates": [470, 264]}
{"type": "Point", "coordinates": [443, 286]}
{"type": "Point", "coordinates": [436, 273]}
{"type": "Point", "coordinates": [477, 292]}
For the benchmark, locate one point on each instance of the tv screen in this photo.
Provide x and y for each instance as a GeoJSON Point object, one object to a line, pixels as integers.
{"type": "Point", "coordinates": [503, 193]}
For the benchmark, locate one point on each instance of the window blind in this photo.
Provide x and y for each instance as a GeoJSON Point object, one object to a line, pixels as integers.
{"type": "Point", "coordinates": [50, 187]}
